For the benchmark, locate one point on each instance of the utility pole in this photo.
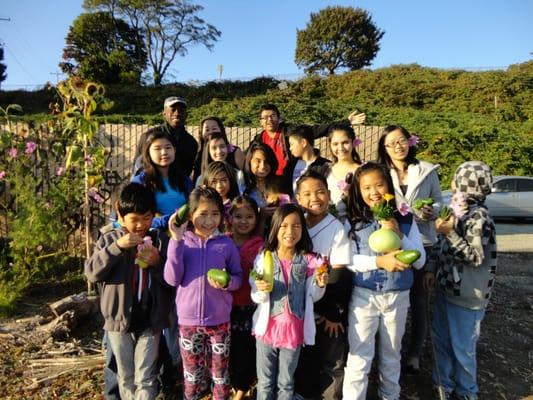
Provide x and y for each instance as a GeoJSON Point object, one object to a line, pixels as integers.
{"type": "Point", "coordinates": [57, 74]}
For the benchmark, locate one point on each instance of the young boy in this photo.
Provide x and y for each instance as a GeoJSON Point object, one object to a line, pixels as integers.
{"type": "Point", "coordinates": [301, 142]}
{"type": "Point", "coordinates": [464, 261]}
{"type": "Point", "coordinates": [321, 368]}
{"type": "Point", "coordinates": [135, 301]}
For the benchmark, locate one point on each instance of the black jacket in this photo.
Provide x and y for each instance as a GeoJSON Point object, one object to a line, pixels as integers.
{"type": "Point", "coordinates": [186, 147]}
{"type": "Point", "coordinates": [320, 165]}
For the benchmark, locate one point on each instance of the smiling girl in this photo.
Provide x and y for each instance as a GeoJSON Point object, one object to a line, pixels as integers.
{"type": "Point", "coordinates": [284, 318]}
{"type": "Point", "coordinates": [413, 179]}
{"type": "Point", "coordinates": [381, 283]}
{"type": "Point", "coordinates": [203, 305]}
{"type": "Point", "coordinates": [244, 216]}
{"type": "Point", "coordinates": [161, 173]}
{"type": "Point", "coordinates": [346, 160]}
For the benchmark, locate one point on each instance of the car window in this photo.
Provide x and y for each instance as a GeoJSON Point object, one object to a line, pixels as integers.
{"type": "Point", "coordinates": [525, 185]}
{"type": "Point", "coordinates": [506, 185]}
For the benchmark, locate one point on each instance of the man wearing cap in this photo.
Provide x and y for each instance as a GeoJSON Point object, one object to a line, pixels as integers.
{"type": "Point", "coordinates": [275, 133]}
{"type": "Point", "coordinates": [175, 114]}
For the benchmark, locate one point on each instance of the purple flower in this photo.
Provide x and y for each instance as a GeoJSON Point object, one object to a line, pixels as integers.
{"type": "Point", "coordinates": [356, 142]}
{"type": "Point", "coordinates": [413, 140]}
{"type": "Point", "coordinates": [343, 185]}
{"type": "Point", "coordinates": [93, 193]}
{"type": "Point", "coordinates": [13, 152]}
{"type": "Point", "coordinates": [458, 204]}
{"type": "Point", "coordinates": [30, 148]}
{"type": "Point", "coordinates": [60, 171]}
{"type": "Point", "coordinates": [403, 208]}
{"type": "Point", "coordinates": [231, 148]}
{"type": "Point", "coordinates": [2, 175]}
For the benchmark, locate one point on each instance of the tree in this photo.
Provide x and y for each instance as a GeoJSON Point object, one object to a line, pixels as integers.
{"type": "Point", "coordinates": [337, 37]}
{"type": "Point", "coordinates": [103, 49]}
{"type": "Point", "coordinates": [168, 28]}
{"type": "Point", "coordinates": [3, 67]}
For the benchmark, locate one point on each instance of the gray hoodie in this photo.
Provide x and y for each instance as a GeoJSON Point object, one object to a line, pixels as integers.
{"type": "Point", "coordinates": [423, 182]}
{"type": "Point", "coordinates": [114, 267]}
{"type": "Point", "coordinates": [465, 260]}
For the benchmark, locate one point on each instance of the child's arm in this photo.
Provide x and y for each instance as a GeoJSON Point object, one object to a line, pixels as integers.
{"type": "Point", "coordinates": [107, 253]}
{"type": "Point", "coordinates": [174, 269]}
{"type": "Point", "coordinates": [469, 247]}
{"type": "Point", "coordinates": [174, 266]}
{"type": "Point", "coordinates": [413, 241]}
{"type": "Point", "coordinates": [234, 268]}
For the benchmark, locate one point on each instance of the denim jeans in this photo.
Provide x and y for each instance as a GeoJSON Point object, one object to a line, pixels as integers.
{"type": "Point", "coordinates": [111, 391]}
{"type": "Point", "coordinates": [171, 336]}
{"type": "Point", "coordinates": [455, 332]}
{"type": "Point", "coordinates": [419, 323]}
{"type": "Point", "coordinates": [275, 371]}
{"type": "Point", "coordinates": [136, 357]}
{"type": "Point", "coordinates": [386, 314]}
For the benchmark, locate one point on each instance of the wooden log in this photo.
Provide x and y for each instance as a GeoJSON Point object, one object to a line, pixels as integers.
{"type": "Point", "coordinates": [80, 303]}
{"type": "Point", "coordinates": [60, 328]}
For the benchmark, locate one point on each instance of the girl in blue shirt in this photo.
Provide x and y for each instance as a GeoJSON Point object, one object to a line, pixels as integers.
{"type": "Point", "coordinates": [161, 173]}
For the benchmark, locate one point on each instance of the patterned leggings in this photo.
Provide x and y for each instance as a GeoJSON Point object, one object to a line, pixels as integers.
{"type": "Point", "coordinates": [205, 349]}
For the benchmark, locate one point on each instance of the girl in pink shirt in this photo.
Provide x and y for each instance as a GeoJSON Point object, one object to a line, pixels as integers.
{"type": "Point", "coordinates": [284, 321]}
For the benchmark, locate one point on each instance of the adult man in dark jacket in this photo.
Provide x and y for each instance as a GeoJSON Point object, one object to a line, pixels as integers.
{"type": "Point", "coordinates": [175, 114]}
{"type": "Point", "coordinates": [275, 132]}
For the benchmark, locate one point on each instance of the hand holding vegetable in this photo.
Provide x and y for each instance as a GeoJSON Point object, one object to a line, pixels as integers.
{"type": "Point", "coordinates": [390, 263]}
{"type": "Point", "coordinates": [445, 227]}
{"type": "Point", "coordinates": [263, 286]}
{"type": "Point", "coordinates": [176, 231]}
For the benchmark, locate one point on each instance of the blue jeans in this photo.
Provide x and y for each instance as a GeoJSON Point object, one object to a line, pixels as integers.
{"type": "Point", "coordinates": [136, 356]}
{"type": "Point", "coordinates": [111, 391]}
{"type": "Point", "coordinates": [455, 333]}
{"type": "Point", "coordinates": [275, 371]}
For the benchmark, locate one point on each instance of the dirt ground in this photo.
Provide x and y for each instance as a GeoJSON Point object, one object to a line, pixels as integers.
{"type": "Point", "coordinates": [505, 351]}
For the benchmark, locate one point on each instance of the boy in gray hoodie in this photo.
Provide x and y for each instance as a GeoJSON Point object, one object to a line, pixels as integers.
{"type": "Point", "coordinates": [135, 301]}
{"type": "Point", "coordinates": [462, 267]}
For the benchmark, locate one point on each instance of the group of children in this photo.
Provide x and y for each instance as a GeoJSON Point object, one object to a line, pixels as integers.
{"type": "Point", "coordinates": [267, 284]}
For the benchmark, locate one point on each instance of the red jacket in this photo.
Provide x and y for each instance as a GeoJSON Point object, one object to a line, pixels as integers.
{"type": "Point", "coordinates": [248, 251]}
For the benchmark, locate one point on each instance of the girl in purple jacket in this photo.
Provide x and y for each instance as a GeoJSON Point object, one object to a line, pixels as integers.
{"type": "Point", "coordinates": [203, 305]}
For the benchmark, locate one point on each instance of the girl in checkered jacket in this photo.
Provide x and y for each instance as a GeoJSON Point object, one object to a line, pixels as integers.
{"type": "Point", "coordinates": [462, 266]}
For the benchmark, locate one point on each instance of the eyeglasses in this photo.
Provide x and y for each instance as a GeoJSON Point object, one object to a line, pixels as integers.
{"type": "Point", "coordinates": [271, 117]}
{"type": "Point", "coordinates": [401, 142]}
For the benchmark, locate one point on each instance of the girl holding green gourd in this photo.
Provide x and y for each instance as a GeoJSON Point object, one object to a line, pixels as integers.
{"type": "Point", "coordinates": [416, 184]}
{"type": "Point", "coordinates": [380, 296]}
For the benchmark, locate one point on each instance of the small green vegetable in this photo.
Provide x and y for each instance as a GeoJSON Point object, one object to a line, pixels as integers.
{"type": "Point", "coordinates": [419, 203]}
{"type": "Point", "coordinates": [445, 213]}
{"type": "Point", "coordinates": [220, 276]}
{"type": "Point", "coordinates": [408, 256]}
{"type": "Point", "coordinates": [183, 213]}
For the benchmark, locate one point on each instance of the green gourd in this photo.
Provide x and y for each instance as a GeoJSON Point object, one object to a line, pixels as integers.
{"type": "Point", "coordinates": [408, 256]}
{"type": "Point", "coordinates": [183, 213]}
{"type": "Point", "coordinates": [220, 276]}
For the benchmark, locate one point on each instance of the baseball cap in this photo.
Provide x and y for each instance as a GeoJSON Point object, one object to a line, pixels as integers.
{"type": "Point", "coordinates": [170, 101]}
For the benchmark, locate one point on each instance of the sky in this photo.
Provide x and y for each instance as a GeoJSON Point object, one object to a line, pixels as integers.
{"type": "Point", "coordinates": [259, 37]}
